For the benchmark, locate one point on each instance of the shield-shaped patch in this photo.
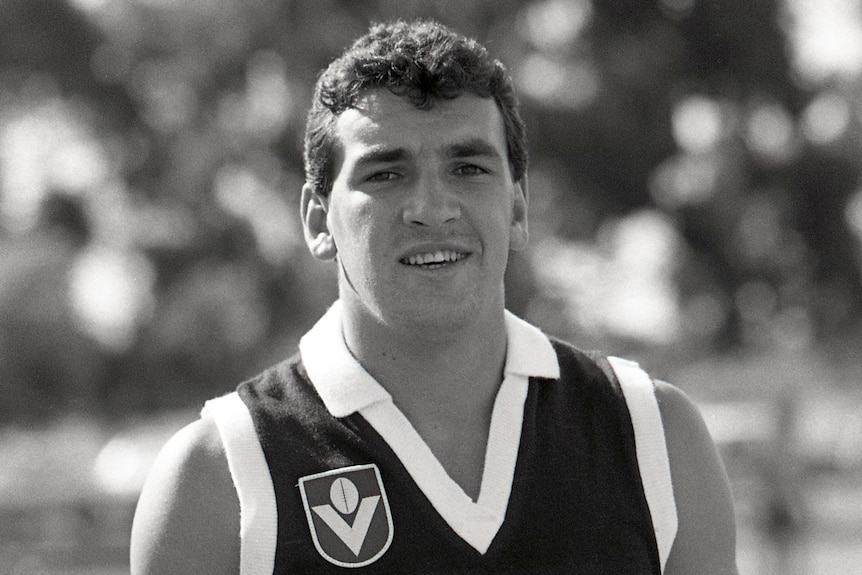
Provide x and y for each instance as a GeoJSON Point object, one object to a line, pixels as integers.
{"type": "Point", "coordinates": [348, 514]}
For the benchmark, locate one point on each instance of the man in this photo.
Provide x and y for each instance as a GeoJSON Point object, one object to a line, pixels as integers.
{"type": "Point", "coordinates": [422, 428]}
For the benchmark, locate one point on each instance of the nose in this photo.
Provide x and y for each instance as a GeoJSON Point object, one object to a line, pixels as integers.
{"type": "Point", "coordinates": [431, 203]}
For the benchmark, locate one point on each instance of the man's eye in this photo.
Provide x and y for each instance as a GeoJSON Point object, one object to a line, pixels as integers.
{"type": "Point", "coordinates": [382, 177]}
{"type": "Point", "coordinates": [469, 170]}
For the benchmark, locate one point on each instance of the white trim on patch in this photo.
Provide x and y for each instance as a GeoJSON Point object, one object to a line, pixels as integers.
{"type": "Point", "coordinates": [343, 499]}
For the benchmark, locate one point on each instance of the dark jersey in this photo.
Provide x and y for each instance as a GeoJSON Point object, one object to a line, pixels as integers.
{"type": "Point", "coordinates": [344, 499]}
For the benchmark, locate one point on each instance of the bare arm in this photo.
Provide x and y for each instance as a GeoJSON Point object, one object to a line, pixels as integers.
{"type": "Point", "coordinates": [187, 519]}
{"type": "Point", "coordinates": [706, 539]}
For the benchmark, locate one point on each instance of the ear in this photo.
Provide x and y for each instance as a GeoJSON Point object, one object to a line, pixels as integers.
{"type": "Point", "coordinates": [518, 234]}
{"type": "Point", "coordinates": [318, 238]}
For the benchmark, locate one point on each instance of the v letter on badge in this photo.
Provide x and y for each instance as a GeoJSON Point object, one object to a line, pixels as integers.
{"type": "Point", "coordinates": [352, 535]}
{"type": "Point", "coordinates": [348, 514]}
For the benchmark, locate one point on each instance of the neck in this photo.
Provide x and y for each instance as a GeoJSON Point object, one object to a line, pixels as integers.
{"type": "Point", "coordinates": [454, 370]}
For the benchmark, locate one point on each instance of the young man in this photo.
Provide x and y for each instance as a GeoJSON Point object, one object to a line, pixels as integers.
{"type": "Point", "coordinates": [422, 428]}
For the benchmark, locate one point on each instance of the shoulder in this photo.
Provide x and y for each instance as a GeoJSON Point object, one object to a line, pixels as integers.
{"type": "Point", "coordinates": [187, 519]}
{"type": "Point", "coordinates": [582, 365]}
{"type": "Point", "coordinates": [706, 537]}
{"type": "Point", "coordinates": [678, 411]}
{"type": "Point", "coordinates": [271, 387]}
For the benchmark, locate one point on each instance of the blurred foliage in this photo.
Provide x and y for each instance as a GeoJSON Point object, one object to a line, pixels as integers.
{"type": "Point", "coordinates": [694, 187]}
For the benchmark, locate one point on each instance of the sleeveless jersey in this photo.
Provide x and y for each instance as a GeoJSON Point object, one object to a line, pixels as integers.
{"type": "Point", "coordinates": [579, 499]}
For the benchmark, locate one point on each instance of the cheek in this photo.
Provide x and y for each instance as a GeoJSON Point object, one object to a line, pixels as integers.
{"type": "Point", "coordinates": [508, 237]}
{"type": "Point", "coordinates": [497, 223]}
{"type": "Point", "coordinates": [353, 229]}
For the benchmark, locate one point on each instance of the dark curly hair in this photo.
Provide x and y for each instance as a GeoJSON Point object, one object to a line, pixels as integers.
{"type": "Point", "coordinates": [422, 61]}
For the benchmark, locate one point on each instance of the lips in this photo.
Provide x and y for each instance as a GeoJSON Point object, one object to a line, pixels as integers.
{"type": "Point", "coordinates": [434, 258]}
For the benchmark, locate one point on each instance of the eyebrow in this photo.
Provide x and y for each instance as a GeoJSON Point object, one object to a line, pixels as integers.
{"type": "Point", "coordinates": [381, 156]}
{"type": "Point", "coordinates": [472, 148]}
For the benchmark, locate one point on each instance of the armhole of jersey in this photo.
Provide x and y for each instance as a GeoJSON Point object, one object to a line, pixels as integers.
{"type": "Point", "coordinates": [250, 473]}
{"type": "Point", "coordinates": [651, 449]}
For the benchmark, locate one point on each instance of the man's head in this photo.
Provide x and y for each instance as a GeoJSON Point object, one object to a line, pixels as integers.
{"type": "Point", "coordinates": [421, 61]}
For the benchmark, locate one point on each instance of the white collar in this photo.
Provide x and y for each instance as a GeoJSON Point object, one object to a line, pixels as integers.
{"type": "Point", "coordinates": [345, 387]}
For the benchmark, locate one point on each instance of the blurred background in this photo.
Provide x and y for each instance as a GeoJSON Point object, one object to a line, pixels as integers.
{"type": "Point", "coordinates": [696, 204]}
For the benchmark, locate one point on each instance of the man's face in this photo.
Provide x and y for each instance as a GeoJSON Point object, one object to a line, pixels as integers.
{"type": "Point", "coordinates": [423, 210]}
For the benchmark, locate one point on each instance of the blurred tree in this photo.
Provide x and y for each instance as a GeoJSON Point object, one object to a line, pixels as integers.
{"type": "Point", "coordinates": [46, 367]}
{"type": "Point", "coordinates": [696, 113]}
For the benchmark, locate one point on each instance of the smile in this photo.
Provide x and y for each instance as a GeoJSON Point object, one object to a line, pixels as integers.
{"type": "Point", "coordinates": [434, 259]}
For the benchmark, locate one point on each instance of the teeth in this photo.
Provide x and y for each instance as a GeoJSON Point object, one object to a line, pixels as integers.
{"type": "Point", "coordinates": [438, 257]}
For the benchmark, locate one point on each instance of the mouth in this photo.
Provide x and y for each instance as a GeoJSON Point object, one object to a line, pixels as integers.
{"type": "Point", "coordinates": [434, 260]}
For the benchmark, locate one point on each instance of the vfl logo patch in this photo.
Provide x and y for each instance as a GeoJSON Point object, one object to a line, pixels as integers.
{"type": "Point", "coordinates": [348, 514]}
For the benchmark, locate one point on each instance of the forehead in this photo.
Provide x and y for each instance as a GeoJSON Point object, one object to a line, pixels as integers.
{"type": "Point", "coordinates": [383, 120]}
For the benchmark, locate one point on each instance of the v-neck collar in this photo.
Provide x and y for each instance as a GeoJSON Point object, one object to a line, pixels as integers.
{"type": "Point", "coordinates": [345, 388]}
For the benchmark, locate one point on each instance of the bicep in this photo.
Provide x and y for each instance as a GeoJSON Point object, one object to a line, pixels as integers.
{"type": "Point", "coordinates": [706, 537]}
{"type": "Point", "coordinates": [187, 518]}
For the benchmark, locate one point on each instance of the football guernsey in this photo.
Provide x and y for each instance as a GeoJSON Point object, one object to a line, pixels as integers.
{"type": "Point", "coordinates": [331, 475]}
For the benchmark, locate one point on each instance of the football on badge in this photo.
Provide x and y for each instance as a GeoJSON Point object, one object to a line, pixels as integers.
{"type": "Point", "coordinates": [348, 514]}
